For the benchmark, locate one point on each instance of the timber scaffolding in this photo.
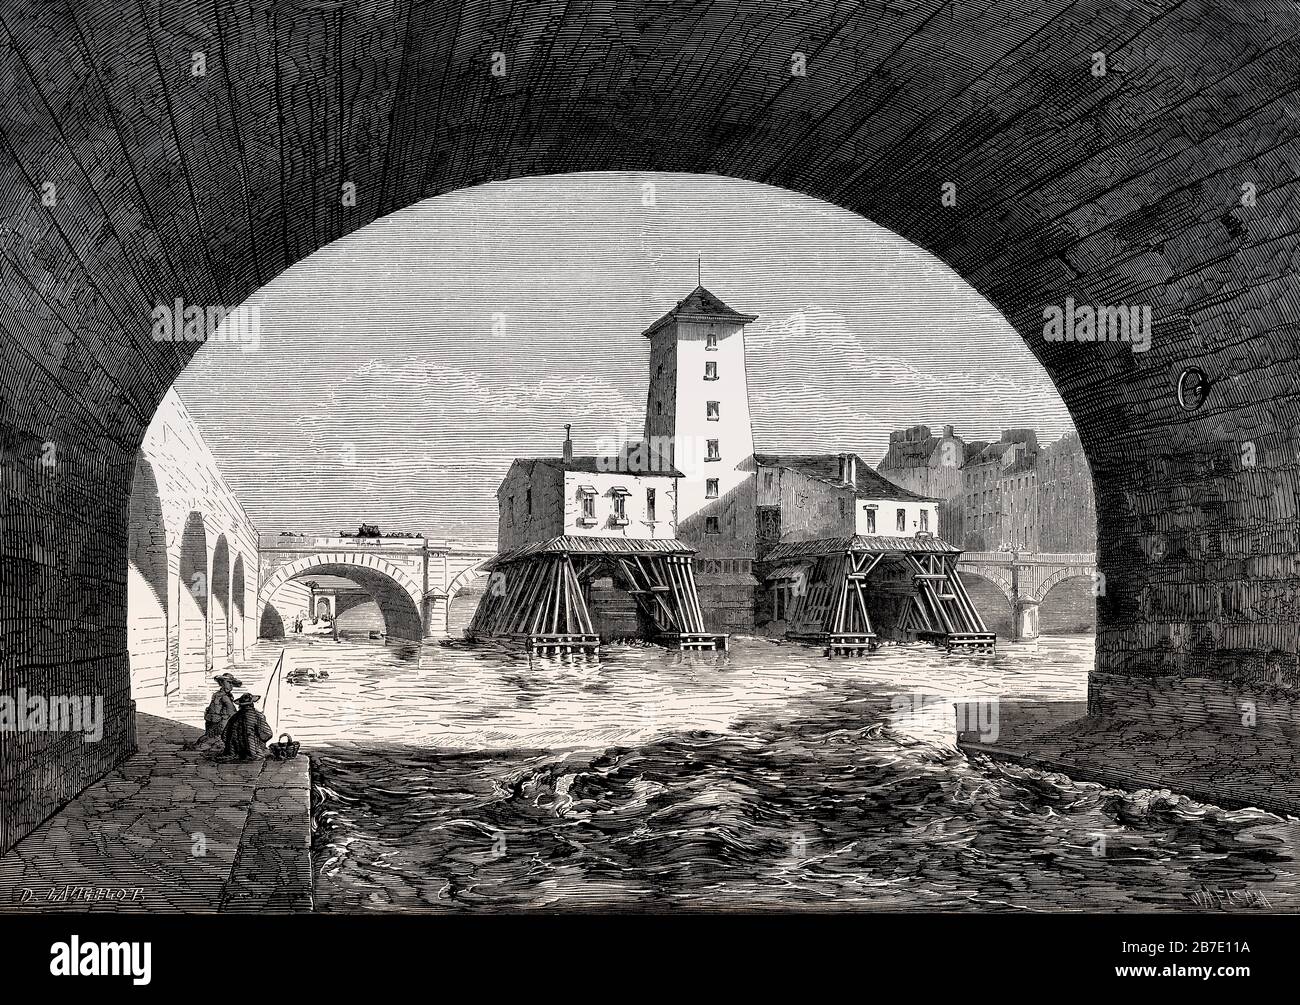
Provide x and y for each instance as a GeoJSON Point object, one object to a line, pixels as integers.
{"type": "Point", "coordinates": [839, 591]}
{"type": "Point", "coordinates": [542, 596]}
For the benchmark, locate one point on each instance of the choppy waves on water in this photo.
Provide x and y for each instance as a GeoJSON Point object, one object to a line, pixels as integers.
{"type": "Point", "coordinates": [823, 808]}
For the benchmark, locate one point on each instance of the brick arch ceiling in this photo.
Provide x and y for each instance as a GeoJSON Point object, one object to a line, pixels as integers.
{"type": "Point", "coordinates": [1115, 189]}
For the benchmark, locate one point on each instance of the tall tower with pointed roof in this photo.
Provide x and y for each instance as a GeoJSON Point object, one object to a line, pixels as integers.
{"type": "Point", "coordinates": [697, 420]}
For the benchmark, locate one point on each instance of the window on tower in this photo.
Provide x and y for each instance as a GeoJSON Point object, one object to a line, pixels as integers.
{"type": "Point", "coordinates": [711, 410]}
{"type": "Point", "coordinates": [871, 521]}
{"type": "Point", "coordinates": [659, 408]}
{"type": "Point", "coordinates": [710, 488]}
{"type": "Point", "coordinates": [710, 370]}
{"type": "Point", "coordinates": [711, 340]}
{"type": "Point", "coordinates": [650, 504]}
{"type": "Point", "coordinates": [925, 519]}
{"type": "Point", "coordinates": [712, 448]}
{"type": "Point", "coordinates": [711, 525]}
{"type": "Point", "coordinates": [902, 519]}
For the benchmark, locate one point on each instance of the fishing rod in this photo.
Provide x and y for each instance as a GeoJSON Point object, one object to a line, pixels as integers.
{"type": "Point", "coordinates": [279, 665]}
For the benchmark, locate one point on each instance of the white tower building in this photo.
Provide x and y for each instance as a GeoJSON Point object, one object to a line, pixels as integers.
{"type": "Point", "coordinates": [697, 420]}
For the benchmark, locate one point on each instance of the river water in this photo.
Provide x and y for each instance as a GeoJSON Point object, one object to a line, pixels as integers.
{"type": "Point", "coordinates": [453, 778]}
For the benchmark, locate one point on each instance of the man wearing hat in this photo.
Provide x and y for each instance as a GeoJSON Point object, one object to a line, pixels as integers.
{"type": "Point", "coordinates": [220, 709]}
{"type": "Point", "coordinates": [246, 732]}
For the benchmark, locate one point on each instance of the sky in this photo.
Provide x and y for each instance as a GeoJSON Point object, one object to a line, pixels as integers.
{"type": "Point", "coordinates": [399, 370]}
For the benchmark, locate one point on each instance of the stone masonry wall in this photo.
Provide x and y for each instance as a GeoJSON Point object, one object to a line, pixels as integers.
{"type": "Point", "coordinates": [175, 476]}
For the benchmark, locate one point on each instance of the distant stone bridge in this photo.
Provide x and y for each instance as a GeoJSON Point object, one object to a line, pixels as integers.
{"type": "Point", "coordinates": [413, 580]}
{"type": "Point", "coordinates": [1025, 579]}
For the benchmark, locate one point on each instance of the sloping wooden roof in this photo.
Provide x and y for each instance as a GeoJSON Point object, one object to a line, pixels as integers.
{"type": "Point", "coordinates": [793, 551]}
{"type": "Point", "coordinates": [632, 462]}
{"type": "Point", "coordinates": [826, 467]}
{"type": "Point", "coordinates": [580, 544]}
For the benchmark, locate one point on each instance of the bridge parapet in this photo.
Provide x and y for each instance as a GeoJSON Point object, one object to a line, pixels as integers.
{"type": "Point", "coordinates": [274, 542]}
{"type": "Point", "coordinates": [1060, 558]}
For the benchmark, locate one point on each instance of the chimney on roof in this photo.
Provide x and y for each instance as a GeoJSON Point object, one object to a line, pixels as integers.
{"type": "Point", "coordinates": [568, 444]}
{"type": "Point", "coordinates": [849, 469]}
{"type": "Point", "coordinates": [947, 430]}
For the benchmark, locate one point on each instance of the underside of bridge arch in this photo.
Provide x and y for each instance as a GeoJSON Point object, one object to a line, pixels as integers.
{"type": "Point", "coordinates": [193, 596]}
{"type": "Point", "coordinates": [402, 618]}
{"type": "Point", "coordinates": [129, 182]}
{"type": "Point", "coordinates": [147, 584]}
{"type": "Point", "coordinates": [456, 609]}
{"type": "Point", "coordinates": [993, 601]}
{"type": "Point", "coordinates": [220, 603]}
{"type": "Point", "coordinates": [1069, 605]}
{"type": "Point", "coordinates": [238, 588]}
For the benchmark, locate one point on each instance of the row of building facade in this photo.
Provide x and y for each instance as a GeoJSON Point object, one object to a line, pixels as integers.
{"type": "Point", "coordinates": [1011, 493]}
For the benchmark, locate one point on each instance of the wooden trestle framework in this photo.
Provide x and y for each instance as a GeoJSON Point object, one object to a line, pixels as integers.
{"type": "Point", "coordinates": [541, 596]}
{"type": "Point", "coordinates": [837, 590]}
{"type": "Point", "coordinates": [941, 610]}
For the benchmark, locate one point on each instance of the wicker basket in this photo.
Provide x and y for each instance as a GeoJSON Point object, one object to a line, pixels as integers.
{"type": "Point", "coordinates": [286, 749]}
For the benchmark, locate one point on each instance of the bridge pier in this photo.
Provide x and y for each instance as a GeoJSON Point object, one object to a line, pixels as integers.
{"type": "Point", "coordinates": [434, 616]}
{"type": "Point", "coordinates": [1024, 625]}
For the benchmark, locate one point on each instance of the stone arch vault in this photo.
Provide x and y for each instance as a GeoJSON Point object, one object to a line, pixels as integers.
{"type": "Point", "coordinates": [398, 596]}
{"type": "Point", "coordinates": [129, 182]}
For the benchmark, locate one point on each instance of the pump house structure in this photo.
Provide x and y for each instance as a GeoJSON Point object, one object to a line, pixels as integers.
{"type": "Point", "coordinates": [711, 538]}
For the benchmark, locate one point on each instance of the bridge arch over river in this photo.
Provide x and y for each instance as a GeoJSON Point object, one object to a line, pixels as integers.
{"type": "Point", "coordinates": [1025, 579]}
{"type": "Point", "coordinates": [411, 579]}
{"type": "Point", "coordinates": [993, 146]}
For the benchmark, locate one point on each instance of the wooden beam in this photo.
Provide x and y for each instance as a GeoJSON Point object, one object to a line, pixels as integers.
{"type": "Point", "coordinates": [536, 623]}
{"type": "Point", "coordinates": [582, 613]}
{"type": "Point", "coordinates": [557, 596]}
{"type": "Point", "coordinates": [655, 580]}
{"type": "Point", "coordinates": [530, 619]}
{"type": "Point", "coordinates": [862, 607]}
{"type": "Point", "coordinates": [516, 601]}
